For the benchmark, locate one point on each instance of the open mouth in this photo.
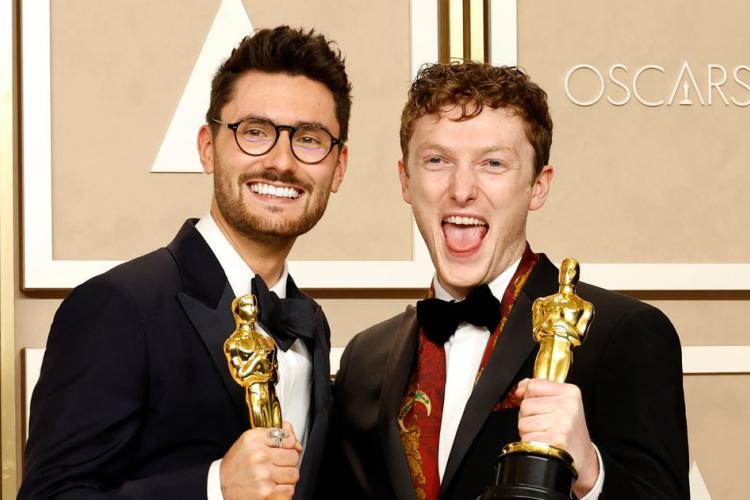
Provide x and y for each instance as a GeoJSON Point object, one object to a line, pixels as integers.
{"type": "Point", "coordinates": [463, 234]}
{"type": "Point", "coordinates": [272, 191]}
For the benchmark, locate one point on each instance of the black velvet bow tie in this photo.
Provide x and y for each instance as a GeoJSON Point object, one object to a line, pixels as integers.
{"type": "Point", "coordinates": [439, 319]}
{"type": "Point", "coordinates": [285, 319]}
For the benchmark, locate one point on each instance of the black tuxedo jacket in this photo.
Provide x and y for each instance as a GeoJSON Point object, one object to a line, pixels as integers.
{"type": "Point", "coordinates": [135, 399]}
{"type": "Point", "coordinates": [629, 370]}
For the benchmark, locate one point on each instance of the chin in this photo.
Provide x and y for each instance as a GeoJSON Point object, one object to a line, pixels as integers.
{"type": "Point", "coordinates": [460, 277]}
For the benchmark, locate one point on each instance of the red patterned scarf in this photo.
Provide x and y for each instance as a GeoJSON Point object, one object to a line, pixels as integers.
{"type": "Point", "coordinates": [421, 410]}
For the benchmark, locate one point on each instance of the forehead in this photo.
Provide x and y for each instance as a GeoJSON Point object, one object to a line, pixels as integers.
{"type": "Point", "coordinates": [282, 98]}
{"type": "Point", "coordinates": [500, 128]}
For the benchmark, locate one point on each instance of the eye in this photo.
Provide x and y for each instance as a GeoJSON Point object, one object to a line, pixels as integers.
{"type": "Point", "coordinates": [311, 138]}
{"type": "Point", "coordinates": [256, 131]}
{"type": "Point", "coordinates": [434, 161]}
{"type": "Point", "coordinates": [308, 140]}
{"type": "Point", "coordinates": [494, 165]}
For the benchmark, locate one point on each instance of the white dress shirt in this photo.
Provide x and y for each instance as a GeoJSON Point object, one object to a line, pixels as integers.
{"type": "Point", "coordinates": [463, 355]}
{"type": "Point", "coordinates": [294, 386]}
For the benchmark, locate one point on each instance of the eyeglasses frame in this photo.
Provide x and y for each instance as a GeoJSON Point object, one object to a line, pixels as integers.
{"type": "Point", "coordinates": [290, 129]}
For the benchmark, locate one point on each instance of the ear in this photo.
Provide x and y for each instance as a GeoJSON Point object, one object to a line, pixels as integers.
{"type": "Point", "coordinates": [205, 148]}
{"type": "Point", "coordinates": [340, 169]}
{"type": "Point", "coordinates": [403, 175]}
{"type": "Point", "coordinates": [540, 188]}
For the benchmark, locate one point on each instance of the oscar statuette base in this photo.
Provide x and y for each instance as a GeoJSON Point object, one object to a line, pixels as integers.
{"type": "Point", "coordinates": [528, 473]}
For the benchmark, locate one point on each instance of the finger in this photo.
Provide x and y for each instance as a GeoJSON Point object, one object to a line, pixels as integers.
{"type": "Point", "coordinates": [282, 492]}
{"type": "Point", "coordinates": [284, 457]}
{"type": "Point", "coordinates": [538, 406]}
{"type": "Point", "coordinates": [285, 475]}
{"type": "Point", "coordinates": [539, 387]}
{"type": "Point", "coordinates": [521, 389]}
{"type": "Point", "coordinates": [280, 438]}
{"type": "Point", "coordinates": [287, 427]}
{"type": "Point", "coordinates": [535, 424]}
{"type": "Point", "coordinates": [540, 437]}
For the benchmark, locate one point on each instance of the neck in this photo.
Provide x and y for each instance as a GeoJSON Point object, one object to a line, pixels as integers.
{"type": "Point", "coordinates": [506, 259]}
{"type": "Point", "coordinates": [265, 258]}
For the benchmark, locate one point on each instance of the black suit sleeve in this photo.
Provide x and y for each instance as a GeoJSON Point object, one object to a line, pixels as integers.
{"type": "Point", "coordinates": [89, 403]}
{"type": "Point", "coordinates": [638, 418]}
{"type": "Point", "coordinates": [336, 475]}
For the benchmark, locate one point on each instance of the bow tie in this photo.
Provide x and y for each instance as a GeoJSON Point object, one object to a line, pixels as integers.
{"type": "Point", "coordinates": [285, 319]}
{"type": "Point", "coordinates": [439, 318]}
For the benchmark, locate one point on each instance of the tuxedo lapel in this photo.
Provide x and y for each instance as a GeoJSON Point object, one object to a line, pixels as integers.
{"type": "Point", "coordinates": [207, 302]}
{"type": "Point", "coordinates": [513, 348]}
{"type": "Point", "coordinates": [319, 408]}
{"type": "Point", "coordinates": [214, 326]}
{"type": "Point", "coordinates": [396, 376]}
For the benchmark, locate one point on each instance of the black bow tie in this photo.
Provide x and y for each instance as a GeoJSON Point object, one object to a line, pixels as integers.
{"type": "Point", "coordinates": [439, 319]}
{"type": "Point", "coordinates": [285, 319]}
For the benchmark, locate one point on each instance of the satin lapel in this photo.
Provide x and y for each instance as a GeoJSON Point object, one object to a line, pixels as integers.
{"type": "Point", "coordinates": [321, 390]}
{"type": "Point", "coordinates": [514, 347]}
{"type": "Point", "coordinates": [396, 376]}
{"type": "Point", "coordinates": [214, 326]}
{"type": "Point", "coordinates": [320, 407]}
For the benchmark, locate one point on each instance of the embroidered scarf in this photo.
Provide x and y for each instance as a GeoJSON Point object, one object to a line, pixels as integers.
{"type": "Point", "coordinates": [421, 409]}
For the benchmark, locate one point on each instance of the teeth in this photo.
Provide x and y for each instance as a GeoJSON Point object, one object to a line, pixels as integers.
{"type": "Point", "coordinates": [464, 221]}
{"type": "Point", "coordinates": [278, 192]}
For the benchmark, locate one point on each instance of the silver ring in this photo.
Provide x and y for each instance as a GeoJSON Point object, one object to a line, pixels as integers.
{"type": "Point", "coordinates": [278, 437]}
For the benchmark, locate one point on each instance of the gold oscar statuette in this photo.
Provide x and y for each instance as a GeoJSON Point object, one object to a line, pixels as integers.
{"type": "Point", "coordinates": [529, 469]}
{"type": "Point", "coordinates": [559, 323]}
{"type": "Point", "coordinates": [251, 356]}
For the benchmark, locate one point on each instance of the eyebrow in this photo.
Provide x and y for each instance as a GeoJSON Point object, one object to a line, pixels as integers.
{"type": "Point", "coordinates": [483, 151]}
{"type": "Point", "coordinates": [432, 145]}
{"type": "Point", "coordinates": [296, 124]}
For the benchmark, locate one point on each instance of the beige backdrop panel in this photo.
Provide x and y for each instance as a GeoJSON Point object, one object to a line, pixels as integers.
{"type": "Point", "coordinates": [117, 76]}
{"type": "Point", "coordinates": [668, 185]}
{"type": "Point", "coordinates": [718, 410]}
{"type": "Point", "coordinates": [638, 183]}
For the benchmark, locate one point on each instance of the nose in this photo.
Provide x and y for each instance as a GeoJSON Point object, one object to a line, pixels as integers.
{"type": "Point", "coordinates": [280, 157]}
{"type": "Point", "coordinates": [463, 186]}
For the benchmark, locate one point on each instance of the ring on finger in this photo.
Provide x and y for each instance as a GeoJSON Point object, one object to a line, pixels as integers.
{"type": "Point", "coordinates": [277, 435]}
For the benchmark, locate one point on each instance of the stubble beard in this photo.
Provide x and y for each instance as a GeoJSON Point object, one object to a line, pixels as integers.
{"type": "Point", "coordinates": [266, 228]}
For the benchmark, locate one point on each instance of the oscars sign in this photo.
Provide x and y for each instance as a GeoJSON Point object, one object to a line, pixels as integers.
{"type": "Point", "coordinates": [533, 470]}
{"type": "Point", "coordinates": [622, 85]}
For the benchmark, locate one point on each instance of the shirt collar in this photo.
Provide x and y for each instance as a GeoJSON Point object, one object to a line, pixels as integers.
{"type": "Point", "coordinates": [235, 268]}
{"type": "Point", "coordinates": [497, 286]}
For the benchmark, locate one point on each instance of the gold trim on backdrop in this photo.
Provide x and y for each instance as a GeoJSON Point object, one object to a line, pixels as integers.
{"type": "Point", "coordinates": [7, 250]}
{"type": "Point", "coordinates": [463, 30]}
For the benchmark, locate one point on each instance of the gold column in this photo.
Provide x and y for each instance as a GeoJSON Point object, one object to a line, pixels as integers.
{"type": "Point", "coordinates": [463, 30]}
{"type": "Point", "coordinates": [7, 248]}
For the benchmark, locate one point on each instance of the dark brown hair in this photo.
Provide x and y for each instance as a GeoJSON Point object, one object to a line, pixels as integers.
{"type": "Point", "coordinates": [292, 51]}
{"type": "Point", "coordinates": [471, 86]}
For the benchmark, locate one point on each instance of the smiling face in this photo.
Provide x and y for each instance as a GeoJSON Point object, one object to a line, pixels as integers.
{"type": "Point", "coordinates": [471, 185]}
{"type": "Point", "coordinates": [272, 198]}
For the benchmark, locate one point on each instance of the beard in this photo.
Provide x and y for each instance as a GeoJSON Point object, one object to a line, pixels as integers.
{"type": "Point", "coordinates": [268, 226]}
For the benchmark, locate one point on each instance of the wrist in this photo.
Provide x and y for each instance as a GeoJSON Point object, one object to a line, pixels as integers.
{"type": "Point", "coordinates": [587, 474]}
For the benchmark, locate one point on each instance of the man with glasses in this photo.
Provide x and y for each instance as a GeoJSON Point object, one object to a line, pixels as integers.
{"type": "Point", "coordinates": [135, 399]}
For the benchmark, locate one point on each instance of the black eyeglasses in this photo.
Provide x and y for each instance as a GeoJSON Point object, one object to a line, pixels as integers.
{"type": "Point", "coordinates": [310, 144]}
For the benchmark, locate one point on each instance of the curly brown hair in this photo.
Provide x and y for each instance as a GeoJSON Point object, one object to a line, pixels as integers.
{"type": "Point", "coordinates": [473, 85]}
{"type": "Point", "coordinates": [291, 51]}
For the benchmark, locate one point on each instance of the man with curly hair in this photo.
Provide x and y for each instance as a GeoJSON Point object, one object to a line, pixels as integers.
{"type": "Point", "coordinates": [425, 401]}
